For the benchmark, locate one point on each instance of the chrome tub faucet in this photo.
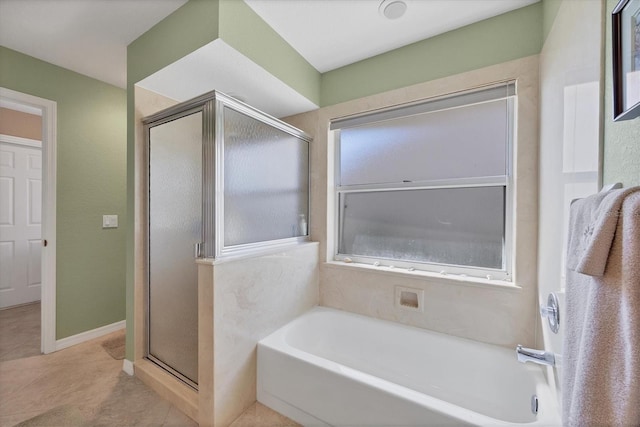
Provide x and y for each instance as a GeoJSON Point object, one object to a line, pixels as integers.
{"type": "Point", "coordinates": [536, 356]}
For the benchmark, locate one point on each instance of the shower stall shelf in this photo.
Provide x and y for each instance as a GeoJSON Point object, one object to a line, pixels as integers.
{"type": "Point", "coordinates": [224, 181]}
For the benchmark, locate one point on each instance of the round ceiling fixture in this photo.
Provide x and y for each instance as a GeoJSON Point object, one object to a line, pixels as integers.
{"type": "Point", "coordinates": [392, 9]}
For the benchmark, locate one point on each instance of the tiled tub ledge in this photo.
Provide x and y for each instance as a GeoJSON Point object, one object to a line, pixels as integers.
{"type": "Point", "coordinates": [255, 253]}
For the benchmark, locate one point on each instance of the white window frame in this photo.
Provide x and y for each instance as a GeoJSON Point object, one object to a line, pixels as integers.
{"type": "Point", "coordinates": [506, 272]}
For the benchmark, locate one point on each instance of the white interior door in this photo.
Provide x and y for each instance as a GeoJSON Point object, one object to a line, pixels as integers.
{"type": "Point", "coordinates": [20, 224]}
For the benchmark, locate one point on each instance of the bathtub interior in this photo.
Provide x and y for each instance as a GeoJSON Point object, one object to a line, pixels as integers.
{"type": "Point", "coordinates": [481, 378]}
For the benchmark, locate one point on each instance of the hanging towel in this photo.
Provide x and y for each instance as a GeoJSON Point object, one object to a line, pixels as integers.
{"type": "Point", "coordinates": [601, 346]}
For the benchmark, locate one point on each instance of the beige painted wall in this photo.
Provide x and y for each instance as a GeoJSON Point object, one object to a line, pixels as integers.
{"type": "Point", "coordinates": [475, 309]}
{"type": "Point", "coordinates": [18, 123]}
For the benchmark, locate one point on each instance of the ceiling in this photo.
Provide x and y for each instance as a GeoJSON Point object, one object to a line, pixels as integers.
{"type": "Point", "coordinates": [91, 38]}
{"type": "Point", "coordinates": [86, 36]}
{"type": "Point", "coordinates": [332, 33]}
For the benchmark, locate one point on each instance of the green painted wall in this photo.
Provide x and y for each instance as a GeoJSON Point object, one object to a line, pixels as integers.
{"type": "Point", "coordinates": [505, 37]}
{"type": "Point", "coordinates": [91, 143]}
{"type": "Point", "coordinates": [244, 30]}
{"type": "Point", "coordinates": [188, 28]}
{"type": "Point", "coordinates": [621, 139]}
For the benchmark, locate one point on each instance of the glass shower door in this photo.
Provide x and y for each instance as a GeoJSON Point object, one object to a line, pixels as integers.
{"type": "Point", "coordinates": [175, 227]}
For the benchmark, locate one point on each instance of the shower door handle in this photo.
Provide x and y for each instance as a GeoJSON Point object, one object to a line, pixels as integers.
{"type": "Point", "coordinates": [197, 249]}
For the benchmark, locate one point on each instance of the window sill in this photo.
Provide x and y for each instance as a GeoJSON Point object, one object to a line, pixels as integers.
{"type": "Point", "coordinates": [447, 279]}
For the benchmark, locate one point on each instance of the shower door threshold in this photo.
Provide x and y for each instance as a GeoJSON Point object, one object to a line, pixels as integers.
{"type": "Point", "coordinates": [172, 371]}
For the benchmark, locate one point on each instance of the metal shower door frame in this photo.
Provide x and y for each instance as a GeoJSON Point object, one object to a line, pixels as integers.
{"type": "Point", "coordinates": [204, 106]}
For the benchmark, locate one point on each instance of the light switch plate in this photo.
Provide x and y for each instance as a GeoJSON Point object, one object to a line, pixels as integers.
{"type": "Point", "coordinates": [109, 221]}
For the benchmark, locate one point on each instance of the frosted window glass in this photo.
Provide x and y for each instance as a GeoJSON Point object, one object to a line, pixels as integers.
{"type": "Point", "coordinates": [459, 226]}
{"type": "Point", "coordinates": [266, 181]}
{"type": "Point", "coordinates": [464, 142]}
{"type": "Point", "coordinates": [175, 225]}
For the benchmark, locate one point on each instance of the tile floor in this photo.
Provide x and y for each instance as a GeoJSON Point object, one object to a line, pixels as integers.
{"type": "Point", "coordinates": [20, 332]}
{"type": "Point", "coordinates": [85, 381]}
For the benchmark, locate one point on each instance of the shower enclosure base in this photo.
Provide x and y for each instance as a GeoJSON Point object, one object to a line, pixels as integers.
{"type": "Point", "coordinates": [168, 387]}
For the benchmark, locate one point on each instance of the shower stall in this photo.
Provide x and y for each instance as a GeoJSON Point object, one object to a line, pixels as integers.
{"type": "Point", "coordinates": [224, 180]}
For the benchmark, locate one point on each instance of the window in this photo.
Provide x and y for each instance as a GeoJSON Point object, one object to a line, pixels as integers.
{"type": "Point", "coordinates": [427, 185]}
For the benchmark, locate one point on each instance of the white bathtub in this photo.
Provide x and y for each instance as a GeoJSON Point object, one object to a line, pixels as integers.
{"type": "Point", "coordinates": [329, 367]}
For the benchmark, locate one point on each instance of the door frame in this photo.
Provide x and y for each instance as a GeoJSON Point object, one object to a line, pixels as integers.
{"type": "Point", "coordinates": [48, 109]}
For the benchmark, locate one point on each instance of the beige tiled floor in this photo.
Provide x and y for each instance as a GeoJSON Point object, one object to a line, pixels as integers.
{"type": "Point", "coordinates": [86, 381]}
{"type": "Point", "coordinates": [20, 332]}
{"type": "Point", "coordinates": [259, 415]}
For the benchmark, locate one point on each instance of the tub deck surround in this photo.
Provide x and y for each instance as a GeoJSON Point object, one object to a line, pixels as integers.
{"type": "Point", "coordinates": [344, 369]}
{"type": "Point", "coordinates": [252, 297]}
{"type": "Point", "coordinates": [479, 311]}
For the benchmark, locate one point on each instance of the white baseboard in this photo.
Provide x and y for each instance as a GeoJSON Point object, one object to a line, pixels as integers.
{"type": "Point", "coordinates": [127, 367]}
{"type": "Point", "coordinates": [89, 335]}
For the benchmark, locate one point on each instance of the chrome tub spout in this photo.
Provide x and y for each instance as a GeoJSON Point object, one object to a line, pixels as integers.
{"type": "Point", "coordinates": [535, 356]}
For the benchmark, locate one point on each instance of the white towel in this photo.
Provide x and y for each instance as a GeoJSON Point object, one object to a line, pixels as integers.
{"type": "Point", "coordinates": [601, 347]}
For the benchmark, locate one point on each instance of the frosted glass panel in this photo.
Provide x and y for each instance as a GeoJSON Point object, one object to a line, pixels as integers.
{"type": "Point", "coordinates": [265, 181]}
{"type": "Point", "coordinates": [175, 225]}
{"type": "Point", "coordinates": [459, 226]}
{"type": "Point", "coordinates": [463, 142]}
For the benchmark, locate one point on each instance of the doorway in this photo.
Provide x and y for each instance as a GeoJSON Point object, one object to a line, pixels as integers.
{"type": "Point", "coordinates": [27, 211]}
{"type": "Point", "coordinates": [20, 206]}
